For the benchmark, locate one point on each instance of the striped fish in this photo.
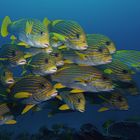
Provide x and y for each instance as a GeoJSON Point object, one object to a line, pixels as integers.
{"type": "Point", "coordinates": [99, 40]}
{"type": "Point", "coordinates": [42, 64]}
{"type": "Point", "coordinates": [117, 70]}
{"type": "Point", "coordinates": [29, 31]}
{"type": "Point", "coordinates": [72, 31]}
{"type": "Point", "coordinates": [32, 90]}
{"type": "Point", "coordinates": [11, 55]}
{"type": "Point", "coordinates": [84, 78]}
{"type": "Point", "coordinates": [89, 57]}
{"type": "Point", "coordinates": [73, 101]}
{"type": "Point", "coordinates": [129, 57]}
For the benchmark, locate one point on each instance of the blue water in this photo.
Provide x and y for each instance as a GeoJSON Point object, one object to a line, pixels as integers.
{"type": "Point", "coordinates": [118, 19]}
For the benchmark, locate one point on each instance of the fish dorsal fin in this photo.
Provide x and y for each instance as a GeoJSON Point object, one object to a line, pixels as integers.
{"type": "Point", "coordinates": [46, 22]}
{"type": "Point", "coordinates": [4, 27]}
{"type": "Point", "coordinates": [11, 122]}
{"type": "Point", "coordinates": [28, 55]}
{"type": "Point", "coordinates": [64, 107]}
{"type": "Point", "coordinates": [102, 109]}
{"type": "Point", "coordinates": [55, 22]}
{"type": "Point", "coordinates": [20, 95]}
{"type": "Point", "coordinates": [29, 26]}
{"type": "Point", "coordinates": [27, 108]}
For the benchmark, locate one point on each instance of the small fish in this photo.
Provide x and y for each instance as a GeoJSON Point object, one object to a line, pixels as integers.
{"type": "Point", "coordinates": [30, 31]}
{"type": "Point", "coordinates": [6, 76]}
{"type": "Point", "coordinates": [32, 90]}
{"type": "Point", "coordinates": [129, 57]}
{"type": "Point", "coordinates": [73, 101]}
{"type": "Point", "coordinates": [72, 31]}
{"type": "Point", "coordinates": [11, 55]}
{"type": "Point", "coordinates": [82, 78]}
{"type": "Point", "coordinates": [89, 57]}
{"type": "Point", "coordinates": [117, 70]}
{"type": "Point", "coordinates": [41, 64]}
{"type": "Point", "coordinates": [99, 40]}
{"type": "Point", "coordinates": [58, 57]}
{"type": "Point", "coordinates": [6, 116]}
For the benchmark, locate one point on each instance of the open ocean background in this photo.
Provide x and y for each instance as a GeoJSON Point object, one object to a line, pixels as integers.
{"type": "Point", "coordinates": [118, 19]}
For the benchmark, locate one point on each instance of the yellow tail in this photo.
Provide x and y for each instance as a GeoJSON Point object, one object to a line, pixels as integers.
{"type": "Point", "coordinates": [4, 27]}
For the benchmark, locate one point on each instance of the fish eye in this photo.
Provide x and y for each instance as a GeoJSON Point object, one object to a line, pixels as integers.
{"type": "Point", "coordinates": [56, 54]}
{"type": "Point", "coordinates": [41, 33]}
{"type": "Point", "coordinates": [46, 60]}
{"type": "Point", "coordinates": [100, 50]}
{"type": "Point", "coordinates": [79, 100]}
{"type": "Point", "coordinates": [105, 77]}
{"type": "Point", "coordinates": [42, 85]}
{"type": "Point", "coordinates": [78, 36]}
{"type": "Point", "coordinates": [108, 43]}
{"type": "Point", "coordinates": [125, 71]}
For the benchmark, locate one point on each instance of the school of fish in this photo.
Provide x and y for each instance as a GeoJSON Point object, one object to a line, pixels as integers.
{"type": "Point", "coordinates": [55, 65]}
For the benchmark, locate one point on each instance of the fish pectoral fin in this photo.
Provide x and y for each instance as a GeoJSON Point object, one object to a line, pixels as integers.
{"type": "Point", "coordinates": [59, 86]}
{"type": "Point", "coordinates": [20, 95]}
{"type": "Point", "coordinates": [76, 91]}
{"type": "Point", "coordinates": [68, 62]}
{"type": "Point", "coordinates": [59, 97]}
{"type": "Point", "coordinates": [27, 108]}
{"type": "Point", "coordinates": [108, 71]}
{"type": "Point", "coordinates": [82, 56]}
{"type": "Point", "coordinates": [62, 47]}
{"type": "Point", "coordinates": [11, 122]}
{"type": "Point", "coordinates": [23, 44]}
{"type": "Point", "coordinates": [4, 27]}
{"type": "Point", "coordinates": [29, 26]}
{"type": "Point", "coordinates": [46, 22]}
{"type": "Point", "coordinates": [102, 109]}
{"type": "Point", "coordinates": [59, 36]}
{"type": "Point", "coordinates": [28, 55]}
{"type": "Point", "coordinates": [64, 107]}
{"type": "Point", "coordinates": [3, 59]}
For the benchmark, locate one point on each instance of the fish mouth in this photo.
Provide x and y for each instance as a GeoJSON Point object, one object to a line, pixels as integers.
{"type": "Point", "coordinates": [49, 51]}
{"type": "Point", "coordinates": [82, 48]}
{"type": "Point", "coordinates": [53, 70]}
{"type": "Point", "coordinates": [61, 63]}
{"type": "Point", "coordinates": [22, 62]}
{"type": "Point", "coordinates": [46, 45]}
{"type": "Point", "coordinates": [10, 81]}
{"type": "Point", "coordinates": [54, 94]}
{"type": "Point", "coordinates": [81, 110]}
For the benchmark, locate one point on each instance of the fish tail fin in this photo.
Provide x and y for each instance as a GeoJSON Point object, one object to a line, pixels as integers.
{"type": "Point", "coordinates": [4, 27]}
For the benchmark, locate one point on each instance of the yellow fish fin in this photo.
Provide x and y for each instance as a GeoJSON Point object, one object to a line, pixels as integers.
{"type": "Point", "coordinates": [63, 68]}
{"type": "Point", "coordinates": [59, 97]}
{"type": "Point", "coordinates": [3, 59]}
{"type": "Point", "coordinates": [76, 91]}
{"type": "Point", "coordinates": [12, 37]}
{"type": "Point", "coordinates": [23, 44]}
{"type": "Point", "coordinates": [11, 122]}
{"type": "Point", "coordinates": [29, 26]}
{"type": "Point", "coordinates": [27, 108]}
{"type": "Point", "coordinates": [68, 62]}
{"type": "Point", "coordinates": [55, 22]}
{"type": "Point", "coordinates": [102, 109]}
{"type": "Point", "coordinates": [82, 56]}
{"type": "Point", "coordinates": [58, 36]}
{"type": "Point", "coordinates": [108, 71]}
{"type": "Point", "coordinates": [1, 117]}
{"type": "Point", "coordinates": [22, 95]}
{"type": "Point", "coordinates": [28, 55]}
{"type": "Point", "coordinates": [59, 86]}
{"type": "Point", "coordinates": [46, 22]}
{"type": "Point", "coordinates": [64, 107]}
{"type": "Point", "coordinates": [4, 27]}
{"type": "Point", "coordinates": [62, 47]}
